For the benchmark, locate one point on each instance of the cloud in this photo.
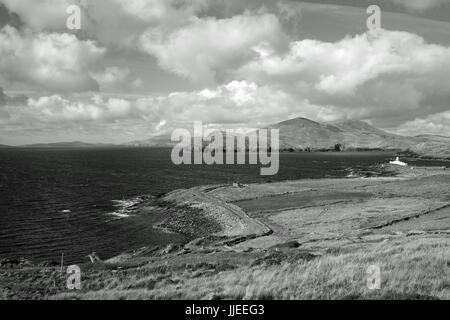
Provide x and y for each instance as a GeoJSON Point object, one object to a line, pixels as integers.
{"type": "Point", "coordinates": [11, 101]}
{"type": "Point", "coordinates": [163, 10]}
{"type": "Point", "coordinates": [99, 19]}
{"type": "Point", "coordinates": [111, 77]}
{"type": "Point", "coordinates": [137, 83]}
{"type": "Point", "coordinates": [236, 104]}
{"type": "Point", "coordinates": [40, 15]}
{"type": "Point", "coordinates": [51, 61]}
{"type": "Point", "coordinates": [205, 49]}
{"type": "Point", "coordinates": [60, 110]}
{"type": "Point", "coordinates": [387, 75]}
{"type": "Point", "coordinates": [343, 67]}
{"type": "Point", "coordinates": [438, 124]}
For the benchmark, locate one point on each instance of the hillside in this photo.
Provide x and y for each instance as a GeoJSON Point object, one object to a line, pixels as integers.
{"type": "Point", "coordinates": [73, 144]}
{"type": "Point", "coordinates": [157, 141]}
{"type": "Point", "coordinates": [301, 133]}
{"type": "Point", "coordinates": [432, 146]}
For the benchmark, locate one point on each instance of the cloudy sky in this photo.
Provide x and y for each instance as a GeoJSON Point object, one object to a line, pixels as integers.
{"type": "Point", "coordinates": [140, 68]}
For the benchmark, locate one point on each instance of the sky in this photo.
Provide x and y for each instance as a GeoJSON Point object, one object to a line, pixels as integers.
{"type": "Point", "coordinates": [141, 68]}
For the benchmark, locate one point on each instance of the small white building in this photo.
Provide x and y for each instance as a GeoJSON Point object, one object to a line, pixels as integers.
{"type": "Point", "coordinates": [398, 162]}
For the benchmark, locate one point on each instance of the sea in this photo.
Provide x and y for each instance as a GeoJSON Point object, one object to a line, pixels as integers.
{"type": "Point", "coordinates": [72, 202]}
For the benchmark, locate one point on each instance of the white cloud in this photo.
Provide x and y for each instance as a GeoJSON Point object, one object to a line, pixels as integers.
{"type": "Point", "coordinates": [61, 110]}
{"type": "Point", "coordinates": [343, 67]}
{"type": "Point", "coordinates": [207, 48]}
{"type": "Point", "coordinates": [438, 124]}
{"type": "Point", "coordinates": [384, 76]}
{"type": "Point", "coordinates": [51, 61]}
{"type": "Point", "coordinates": [238, 103]}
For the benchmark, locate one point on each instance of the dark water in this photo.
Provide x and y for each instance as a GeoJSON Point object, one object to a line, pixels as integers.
{"type": "Point", "coordinates": [54, 201]}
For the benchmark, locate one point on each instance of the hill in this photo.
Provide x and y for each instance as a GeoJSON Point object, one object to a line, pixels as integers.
{"type": "Point", "coordinates": [165, 141]}
{"type": "Point", "coordinates": [432, 146]}
{"type": "Point", "coordinates": [301, 133]}
{"type": "Point", "coordinates": [156, 141]}
{"type": "Point", "coordinates": [68, 145]}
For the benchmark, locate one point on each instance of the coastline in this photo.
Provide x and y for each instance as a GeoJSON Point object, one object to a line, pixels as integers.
{"type": "Point", "coordinates": [220, 203]}
{"type": "Point", "coordinates": [283, 224]}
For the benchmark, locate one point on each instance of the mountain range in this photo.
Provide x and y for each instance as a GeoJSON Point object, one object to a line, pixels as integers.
{"type": "Point", "coordinates": [304, 134]}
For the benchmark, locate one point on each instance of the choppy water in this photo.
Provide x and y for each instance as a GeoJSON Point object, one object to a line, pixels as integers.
{"type": "Point", "coordinates": [79, 201]}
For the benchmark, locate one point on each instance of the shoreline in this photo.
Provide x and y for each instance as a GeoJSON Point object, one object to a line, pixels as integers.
{"type": "Point", "coordinates": [309, 224]}
{"type": "Point", "coordinates": [223, 208]}
{"type": "Point", "coordinates": [228, 225]}
{"type": "Point", "coordinates": [223, 222]}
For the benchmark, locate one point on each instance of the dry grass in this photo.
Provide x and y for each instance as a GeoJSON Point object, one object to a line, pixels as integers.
{"type": "Point", "coordinates": [410, 268]}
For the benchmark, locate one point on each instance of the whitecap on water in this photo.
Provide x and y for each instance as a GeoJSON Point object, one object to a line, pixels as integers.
{"type": "Point", "coordinates": [125, 207]}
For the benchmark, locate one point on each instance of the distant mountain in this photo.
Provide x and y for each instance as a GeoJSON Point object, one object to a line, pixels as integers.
{"type": "Point", "coordinates": [301, 133]}
{"type": "Point", "coordinates": [68, 145]}
{"type": "Point", "coordinates": [163, 141]}
{"type": "Point", "coordinates": [156, 141]}
{"type": "Point", "coordinates": [3, 146]}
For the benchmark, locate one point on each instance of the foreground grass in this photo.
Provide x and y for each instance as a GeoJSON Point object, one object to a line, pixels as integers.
{"type": "Point", "coordinates": [411, 268]}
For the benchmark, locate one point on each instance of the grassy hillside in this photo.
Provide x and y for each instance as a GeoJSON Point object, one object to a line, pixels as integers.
{"type": "Point", "coordinates": [432, 146]}
{"type": "Point", "coordinates": [412, 268]}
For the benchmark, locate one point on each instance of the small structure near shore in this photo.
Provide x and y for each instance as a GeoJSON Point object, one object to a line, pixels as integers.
{"type": "Point", "coordinates": [398, 162]}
